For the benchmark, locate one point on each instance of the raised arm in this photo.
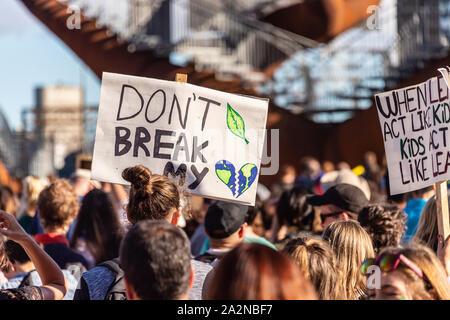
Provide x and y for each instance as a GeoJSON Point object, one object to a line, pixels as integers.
{"type": "Point", "coordinates": [54, 285]}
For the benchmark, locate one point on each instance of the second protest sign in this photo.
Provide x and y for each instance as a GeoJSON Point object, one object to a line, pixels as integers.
{"type": "Point", "coordinates": [415, 127]}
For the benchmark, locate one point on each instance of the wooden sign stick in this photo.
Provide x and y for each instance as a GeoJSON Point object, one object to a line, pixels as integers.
{"type": "Point", "coordinates": [442, 209]}
{"type": "Point", "coordinates": [181, 77]}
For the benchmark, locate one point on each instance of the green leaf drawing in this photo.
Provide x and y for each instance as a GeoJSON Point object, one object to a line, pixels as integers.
{"type": "Point", "coordinates": [235, 123]}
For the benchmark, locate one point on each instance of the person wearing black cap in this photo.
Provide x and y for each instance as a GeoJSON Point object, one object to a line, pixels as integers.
{"type": "Point", "coordinates": [225, 225]}
{"type": "Point", "coordinates": [340, 202]}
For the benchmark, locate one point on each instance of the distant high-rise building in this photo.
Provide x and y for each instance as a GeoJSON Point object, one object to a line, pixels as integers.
{"type": "Point", "coordinates": [58, 128]}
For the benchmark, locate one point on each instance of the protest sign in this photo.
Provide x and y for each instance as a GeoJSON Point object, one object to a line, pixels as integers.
{"type": "Point", "coordinates": [415, 127]}
{"type": "Point", "coordinates": [209, 142]}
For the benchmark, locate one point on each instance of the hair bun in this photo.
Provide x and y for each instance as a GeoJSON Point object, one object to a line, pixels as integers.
{"type": "Point", "coordinates": [139, 176]}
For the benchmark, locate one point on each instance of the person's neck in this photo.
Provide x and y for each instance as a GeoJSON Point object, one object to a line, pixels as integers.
{"type": "Point", "coordinates": [184, 297]}
{"type": "Point", "coordinates": [60, 231]}
{"type": "Point", "coordinates": [31, 212]}
{"type": "Point", "coordinates": [221, 244]}
{"type": "Point", "coordinates": [249, 233]}
{"type": "Point", "coordinates": [20, 268]}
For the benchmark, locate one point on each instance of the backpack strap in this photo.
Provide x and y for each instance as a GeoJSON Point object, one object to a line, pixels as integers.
{"type": "Point", "coordinates": [116, 290]}
{"type": "Point", "coordinates": [114, 266]}
{"type": "Point", "coordinates": [26, 281]}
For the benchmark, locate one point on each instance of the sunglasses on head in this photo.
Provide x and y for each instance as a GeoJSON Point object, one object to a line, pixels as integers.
{"type": "Point", "coordinates": [323, 216]}
{"type": "Point", "coordinates": [390, 262]}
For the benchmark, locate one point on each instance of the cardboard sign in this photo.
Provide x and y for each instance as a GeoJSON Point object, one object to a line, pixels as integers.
{"type": "Point", "coordinates": [415, 127]}
{"type": "Point", "coordinates": [209, 142]}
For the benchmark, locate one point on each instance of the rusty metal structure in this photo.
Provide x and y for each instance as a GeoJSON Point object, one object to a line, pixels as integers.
{"type": "Point", "coordinates": [282, 30]}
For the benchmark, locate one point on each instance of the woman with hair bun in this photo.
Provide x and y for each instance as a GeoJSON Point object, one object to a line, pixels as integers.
{"type": "Point", "coordinates": [152, 197]}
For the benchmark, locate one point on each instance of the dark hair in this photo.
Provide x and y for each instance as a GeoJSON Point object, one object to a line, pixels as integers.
{"type": "Point", "coordinates": [317, 262]}
{"type": "Point", "coordinates": [385, 224]}
{"type": "Point", "coordinates": [151, 196]}
{"type": "Point", "coordinates": [256, 272]}
{"type": "Point", "coordinates": [419, 193]}
{"type": "Point", "coordinates": [99, 225]}
{"type": "Point", "coordinates": [309, 166]}
{"type": "Point", "coordinates": [16, 253]}
{"type": "Point", "coordinates": [253, 211]}
{"type": "Point", "coordinates": [396, 198]}
{"type": "Point", "coordinates": [156, 259]}
{"type": "Point", "coordinates": [57, 204]}
{"type": "Point", "coordinates": [294, 210]}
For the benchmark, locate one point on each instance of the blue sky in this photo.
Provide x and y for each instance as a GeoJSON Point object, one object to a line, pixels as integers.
{"type": "Point", "coordinates": [31, 56]}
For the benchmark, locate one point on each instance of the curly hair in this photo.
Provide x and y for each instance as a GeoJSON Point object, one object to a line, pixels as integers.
{"type": "Point", "coordinates": [385, 224]}
{"type": "Point", "coordinates": [57, 205]}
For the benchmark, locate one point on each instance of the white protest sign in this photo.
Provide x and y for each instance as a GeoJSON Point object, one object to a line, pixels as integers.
{"type": "Point", "coordinates": [209, 142]}
{"type": "Point", "coordinates": [414, 123]}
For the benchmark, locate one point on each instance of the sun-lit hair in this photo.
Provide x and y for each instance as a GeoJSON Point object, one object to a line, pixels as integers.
{"type": "Point", "coordinates": [152, 196]}
{"type": "Point", "coordinates": [32, 187]}
{"type": "Point", "coordinates": [317, 262]}
{"type": "Point", "coordinates": [57, 205]}
{"type": "Point", "coordinates": [351, 245]}
{"type": "Point", "coordinates": [256, 272]}
{"type": "Point", "coordinates": [434, 285]}
{"type": "Point", "coordinates": [427, 230]}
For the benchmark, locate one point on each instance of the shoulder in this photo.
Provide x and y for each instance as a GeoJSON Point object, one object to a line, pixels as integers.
{"type": "Point", "coordinates": [64, 255]}
{"type": "Point", "coordinates": [25, 293]}
{"type": "Point", "coordinates": [200, 267]}
{"type": "Point", "coordinates": [205, 258]}
{"type": "Point", "coordinates": [99, 272]}
{"type": "Point", "coordinates": [98, 280]}
{"type": "Point", "coordinates": [262, 241]}
{"type": "Point", "coordinates": [201, 270]}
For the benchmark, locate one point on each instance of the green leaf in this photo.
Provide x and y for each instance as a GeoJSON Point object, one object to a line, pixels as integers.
{"type": "Point", "coordinates": [235, 123]}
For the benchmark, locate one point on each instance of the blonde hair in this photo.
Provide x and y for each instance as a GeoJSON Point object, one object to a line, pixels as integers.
{"type": "Point", "coordinates": [351, 245]}
{"type": "Point", "coordinates": [32, 187]}
{"type": "Point", "coordinates": [57, 205]}
{"type": "Point", "coordinates": [427, 230]}
{"type": "Point", "coordinates": [434, 285]}
{"type": "Point", "coordinates": [318, 264]}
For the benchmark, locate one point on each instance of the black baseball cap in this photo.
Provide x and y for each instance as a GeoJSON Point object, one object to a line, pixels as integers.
{"type": "Point", "coordinates": [344, 196]}
{"type": "Point", "coordinates": [224, 218]}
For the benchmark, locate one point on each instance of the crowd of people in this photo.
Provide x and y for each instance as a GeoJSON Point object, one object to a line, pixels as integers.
{"type": "Point", "coordinates": [323, 231]}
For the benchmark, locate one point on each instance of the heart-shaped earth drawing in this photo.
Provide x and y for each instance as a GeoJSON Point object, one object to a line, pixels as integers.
{"type": "Point", "coordinates": [246, 175]}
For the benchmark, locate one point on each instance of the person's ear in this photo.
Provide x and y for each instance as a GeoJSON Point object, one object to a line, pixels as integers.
{"type": "Point", "coordinates": [242, 230]}
{"type": "Point", "coordinates": [191, 278]}
{"type": "Point", "coordinates": [131, 294]}
{"type": "Point", "coordinates": [345, 216]}
{"type": "Point", "coordinates": [175, 217]}
{"type": "Point", "coordinates": [128, 214]}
